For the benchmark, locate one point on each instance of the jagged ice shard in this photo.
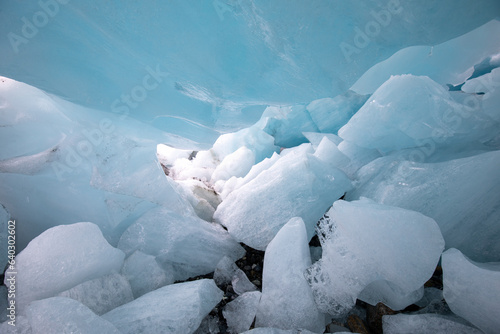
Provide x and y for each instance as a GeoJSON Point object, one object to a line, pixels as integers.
{"type": "Point", "coordinates": [192, 136]}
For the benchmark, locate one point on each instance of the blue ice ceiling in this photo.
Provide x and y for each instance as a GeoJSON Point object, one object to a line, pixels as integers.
{"type": "Point", "coordinates": [196, 67]}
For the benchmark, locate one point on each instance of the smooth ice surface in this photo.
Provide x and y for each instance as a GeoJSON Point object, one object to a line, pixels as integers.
{"type": "Point", "coordinates": [297, 185]}
{"type": "Point", "coordinates": [411, 111]}
{"type": "Point", "coordinates": [65, 315]}
{"type": "Point", "coordinates": [65, 164]}
{"type": "Point", "coordinates": [472, 289]}
{"type": "Point", "coordinates": [61, 258]}
{"type": "Point", "coordinates": [208, 62]}
{"type": "Point", "coordinates": [287, 301]}
{"type": "Point", "coordinates": [489, 85]}
{"type": "Point", "coordinates": [102, 294]}
{"type": "Point", "coordinates": [176, 308]}
{"type": "Point", "coordinates": [439, 62]}
{"type": "Point", "coordinates": [227, 272]}
{"type": "Point", "coordinates": [145, 274]}
{"type": "Point", "coordinates": [189, 244]}
{"type": "Point", "coordinates": [460, 195]}
{"type": "Point", "coordinates": [424, 324]}
{"type": "Point", "coordinates": [240, 313]}
{"type": "Point", "coordinates": [365, 243]}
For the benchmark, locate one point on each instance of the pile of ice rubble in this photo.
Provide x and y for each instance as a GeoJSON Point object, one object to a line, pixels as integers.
{"type": "Point", "coordinates": [394, 184]}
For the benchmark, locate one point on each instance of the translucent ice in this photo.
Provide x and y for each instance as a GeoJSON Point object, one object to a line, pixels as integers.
{"type": "Point", "coordinates": [65, 315]}
{"type": "Point", "coordinates": [61, 258]}
{"type": "Point", "coordinates": [176, 308]}
{"type": "Point", "coordinates": [424, 324]}
{"type": "Point", "coordinates": [101, 294]}
{"type": "Point", "coordinates": [472, 289]}
{"type": "Point", "coordinates": [236, 164]}
{"type": "Point", "coordinates": [240, 313]}
{"type": "Point", "coordinates": [144, 273]}
{"type": "Point", "coordinates": [489, 85]}
{"type": "Point", "coordinates": [297, 185]}
{"type": "Point", "coordinates": [380, 252]}
{"type": "Point", "coordinates": [461, 195]}
{"type": "Point", "coordinates": [227, 272]}
{"type": "Point", "coordinates": [399, 119]}
{"type": "Point", "coordinates": [269, 330]}
{"type": "Point", "coordinates": [190, 245]}
{"type": "Point", "coordinates": [287, 301]}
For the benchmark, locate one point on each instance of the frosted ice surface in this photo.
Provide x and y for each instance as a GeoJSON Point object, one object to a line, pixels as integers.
{"type": "Point", "coordinates": [287, 301]}
{"type": "Point", "coordinates": [364, 243]}
{"type": "Point", "coordinates": [316, 137]}
{"type": "Point", "coordinates": [425, 324]}
{"type": "Point", "coordinates": [236, 164]}
{"type": "Point", "coordinates": [61, 258]}
{"type": "Point", "coordinates": [175, 308]}
{"type": "Point", "coordinates": [253, 138]}
{"type": "Point", "coordinates": [297, 185]}
{"type": "Point", "coordinates": [22, 326]}
{"type": "Point", "coordinates": [144, 273]}
{"type": "Point", "coordinates": [472, 290]}
{"type": "Point", "coordinates": [460, 195]}
{"type": "Point", "coordinates": [65, 315]}
{"type": "Point", "coordinates": [167, 155]}
{"type": "Point", "coordinates": [189, 244]}
{"type": "Point", "coordinates": [411, 111]}
{"type": "Point", "coordinates": [489, 84]}
{"type": "Point", "coordinates": [101, 294]}
{"type": "Point", "coordinates": [240, 313]}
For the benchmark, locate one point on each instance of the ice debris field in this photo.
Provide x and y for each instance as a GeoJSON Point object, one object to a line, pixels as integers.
{"type": "Point", "coordinates": [264, 167]}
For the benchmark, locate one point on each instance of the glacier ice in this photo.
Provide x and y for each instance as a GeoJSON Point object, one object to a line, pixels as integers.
{"type": "Point", "coordinates": [176, 308]}
{"type": "Point", "coordinates": [460, 195]}
{"type": "Point", "coordinates": [4, 235]}
{"type": "Point", "coordinates": [61, 258]}
{"type": "Point", "coordinates": [227, 272]}
{"type": "Point", "coordinates": [189, 244]}
{"type": "Point", "coordinates": [425, 323]}
{"type": "Point", "coordinates": [240, 313]}
{"type": "Point", "coordinates": [270, 330]}
{"type": "Point", "coordinates": [101, 294]}
{"type": "Point", "coordinates": [287, 301]}
{"type": "Point", "coordinates": [472, 289]}
{"type": "Point", "coordinates": [145, 274]}
{"type": "Point", "coordinates": [65, 315]}
{"type": "Point", "coordinates": [374, 252]}
{"type": "Point", "coordinates": [297, 185]}
{"type": "Point", "coordinates": [429, 115]}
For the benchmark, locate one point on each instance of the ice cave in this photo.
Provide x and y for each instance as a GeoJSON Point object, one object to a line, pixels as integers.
{"type": "Point", "coordinates": [250, 166]}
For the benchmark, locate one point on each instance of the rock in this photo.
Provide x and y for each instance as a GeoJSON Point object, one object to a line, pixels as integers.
{"type": "Point", "coordinates": [374, 316]}
{"type": "Point", "coordinates": [356, 325]}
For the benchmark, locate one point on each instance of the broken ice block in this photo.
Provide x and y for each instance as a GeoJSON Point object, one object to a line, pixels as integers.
{"type": "Point", "coordinates": [61, 258]}
{"type": "Point", "coordinates": [365, 243]}
{"type": "Point", "coordinates": [287, 301]}
{"type": "Point", "coordinates": [424, 324]}
{"type": "Point", "coordinates": [240, 313]}
{"type": "Point", "coordinates": [472, 290]}
{"type": "Point", "coordinates": [175, 308]}
{"type": "Point", "coordinates": [297, 185]}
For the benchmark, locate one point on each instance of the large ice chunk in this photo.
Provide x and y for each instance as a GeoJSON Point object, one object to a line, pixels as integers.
{"type": "Point", "coordinates": [236, 164]}
{"type": "Point", "coordinates": [472, 290]}
{"type": "Point", "coordinates": [410, 111]}
{"type": "Point", "coordinates": [190, 245]}
{"type": "Point", "coordinates": [365, 243]}
{"type": "Point", "coordinates": [102, 294]}
{"type": "Point", "coordinates": [488, 85]}
{"type": "Point", "coordinates": [297, 185]}
{"type": "Point", "coordinates": [61, 258]}
{"type": "Point", "coordinates": [424, 324]}
{"type": "Point", "coordinates": [65, 315]}
{"type": "Point", "coordinates": [144, 273]}
{"type": "Point", "coordinates": [240, 313]}
{"type": "Point", "coordinates": [287, 301]}
{"type": "Point", "coordinates": [461, 195]}
{"type": "Point", "coordinates": [176, 308]}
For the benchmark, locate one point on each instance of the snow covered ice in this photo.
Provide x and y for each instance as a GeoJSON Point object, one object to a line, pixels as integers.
{"type": "Point", "coordinates": [263, 166]}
